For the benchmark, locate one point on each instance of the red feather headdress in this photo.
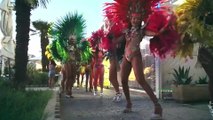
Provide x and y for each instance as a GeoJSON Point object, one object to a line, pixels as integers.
{"type": "Point", "coordinates": [121, 10]}
{"type": "Point", "coordinates": [96, 39]}
{"type": "Point", "coordinates": [119, 13]}
{"type": "Point", "coordinates": [157, 18]}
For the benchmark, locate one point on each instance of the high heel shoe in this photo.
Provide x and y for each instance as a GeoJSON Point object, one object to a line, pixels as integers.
{"type": "Point", "coordinates": [210, 108]}
{"type": "Point", "coordinates": [157, 113]}
{"type": "Point", "coordinates": [128, 108]}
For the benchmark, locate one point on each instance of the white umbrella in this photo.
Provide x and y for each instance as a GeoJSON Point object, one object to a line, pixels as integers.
{"type": "Point", "coordinates": [7, 42]}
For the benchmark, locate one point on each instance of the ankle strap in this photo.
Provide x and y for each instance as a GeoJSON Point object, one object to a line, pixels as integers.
{"type": "Point", "coordinates": [157, 104]}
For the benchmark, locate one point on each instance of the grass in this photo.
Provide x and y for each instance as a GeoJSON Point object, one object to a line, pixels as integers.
{"type": "Point", "coordinates": [22, 105]}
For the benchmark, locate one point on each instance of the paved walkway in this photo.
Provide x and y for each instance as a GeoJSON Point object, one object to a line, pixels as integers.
{"type": "Point", "coordinates": [85, 106]}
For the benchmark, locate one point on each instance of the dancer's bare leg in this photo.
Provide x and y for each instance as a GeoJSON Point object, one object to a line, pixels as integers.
{"type": "Point", "coordinates": [63, 80]}
{"type": "Point", "coordinates": [207, 69]}
{"type": "Point", "coordinates": [206, 60]}
{"type": "Point", "coordinates": [125, 72]}
{"type": "Point", "coordinates": [71, 75]}
{"type": "Point", "coordinates": [82, 79]}
{"type": "Point", "coordinates": [95, 80]}
{"type": "Point", "coordinates": [78, 79]}
{"type": "Point", "coordinates": [87, 80]}
{"type": "Point", "coordinates": [101, 79]}
{"type": "Point", "coordinates": [113, 74]}
{"type": "Point", "coordinates": [113, 78]}
{"type": "Point", "coordinates": [91, 82]}
{"type": "Point", "coordinates": [138, 68]}
{"type": "Point", "coordinates": [91, 78]}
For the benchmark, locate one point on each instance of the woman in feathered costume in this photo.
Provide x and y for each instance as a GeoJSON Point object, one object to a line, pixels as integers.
{"type": "Point", "coordinates": [195, 23]}
{"type": "Point", "coordinates": [86, 56]}
{"type": "Point", "coordinates": [97, 61]}
{"type": "Point", "coordinates": [67, 34]}
{"type": "Point", "coordinates": [130, 14]}
{"type": "Point", "coordinates": [112, 31]}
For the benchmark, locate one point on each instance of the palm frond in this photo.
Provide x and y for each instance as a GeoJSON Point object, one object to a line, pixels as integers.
{"type": "Point", "coordinates": [36, 3]}
{"type": "Point", "coordinates": [40, 25]}
{"type": "Point", "coordinates": [195, 19]}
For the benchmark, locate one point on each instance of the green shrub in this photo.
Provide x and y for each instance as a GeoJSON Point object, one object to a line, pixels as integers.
{"type": "Point", "coordinates": [22, 105]}
{"type": "Point", "coordinates": [39, 78]}
{"type": "Point", "coordinates": [202, 80]}
{"type": "Point", "coordinates": [5, 83]}
{"type": "Point", "coordinates": [36, 77]}
{"type": "Point", "coordinates": [181, 76]}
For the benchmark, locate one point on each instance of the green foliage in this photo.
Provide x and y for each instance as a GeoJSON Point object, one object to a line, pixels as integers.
{"type": "Point", "coordinates": [42, 26]}
{"type": "Point", "coordinates": [5, 83]}
{"type": "Point", "coordinates": [39, 78]}
{"type": "Point", "coordinates": [36, 77]}
{"type": "Point", "coordinates": [202, 80]}
{"type": "Point", "coordinates": [22, 105]}
{"type": "Point", "coordinates": [194, 21]}
{"type": "Point", "coordinates": [194, 17]}
{"type": "Point", "coordinates": [35, 3]}
{"type": "Point", "coordinates": [181, 76]}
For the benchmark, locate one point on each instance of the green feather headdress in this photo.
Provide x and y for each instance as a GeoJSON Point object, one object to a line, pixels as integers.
{"type": "Point", "coordinates": [86, 51]}
{"type": "Point", "coordinates": [71, 24]}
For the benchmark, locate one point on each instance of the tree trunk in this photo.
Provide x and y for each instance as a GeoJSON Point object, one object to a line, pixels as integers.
{"type": "Point", "coordinates": [44, 43]}
{"type": "Point", "coordinates": [22, 40]}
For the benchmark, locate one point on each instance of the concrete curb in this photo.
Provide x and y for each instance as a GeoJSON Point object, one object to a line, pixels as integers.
{"type": "Point", "coordinates": [52, 110]}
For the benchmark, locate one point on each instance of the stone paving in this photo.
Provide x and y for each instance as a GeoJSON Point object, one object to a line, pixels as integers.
{"type": "Point", "coordinates": [85, 106]}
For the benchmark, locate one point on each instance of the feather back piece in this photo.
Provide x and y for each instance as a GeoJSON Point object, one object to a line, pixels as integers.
{"type": "Point", "coordinates": [163, 22]}
{"type": "Point", "coordinates": [70, 25]}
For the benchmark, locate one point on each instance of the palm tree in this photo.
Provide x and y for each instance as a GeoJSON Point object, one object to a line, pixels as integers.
{"type": "Point", "coordinates": [195, 19]}
{"type": "Point", "coordinates": [196, 29]}
{"type": "Point", "coordinates": [43, 27]}
{"type": "Point", "coordinates": [23, 11]}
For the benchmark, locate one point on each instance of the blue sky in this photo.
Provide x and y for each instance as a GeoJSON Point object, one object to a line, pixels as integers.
{"type": "Point", "coordinates": [56, 9]}
{"type": "Point", "coordinates": [90, 9]}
